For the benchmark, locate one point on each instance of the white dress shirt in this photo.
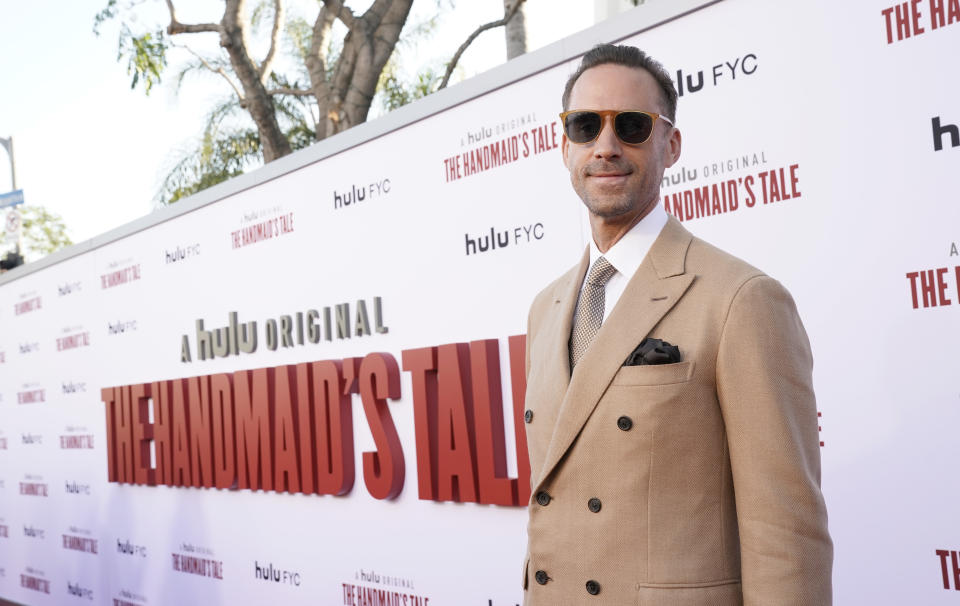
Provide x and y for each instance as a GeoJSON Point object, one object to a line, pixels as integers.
{"type": "Point", "coordinates": [627, 255]}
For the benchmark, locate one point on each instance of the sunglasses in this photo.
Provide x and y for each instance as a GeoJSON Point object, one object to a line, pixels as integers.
{"type": "Point", "coordinates": [631, 127]}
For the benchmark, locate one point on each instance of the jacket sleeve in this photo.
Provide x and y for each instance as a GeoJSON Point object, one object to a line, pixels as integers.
{"type": "Point", "coordinates": [764, 386]}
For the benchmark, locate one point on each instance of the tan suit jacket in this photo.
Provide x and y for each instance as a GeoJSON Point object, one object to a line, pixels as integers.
{"type": "Point", "coordinates": [687, 484]}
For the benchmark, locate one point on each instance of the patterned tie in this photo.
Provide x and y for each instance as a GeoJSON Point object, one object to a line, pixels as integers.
{"type": "Point", "coordinates": [589, 313]}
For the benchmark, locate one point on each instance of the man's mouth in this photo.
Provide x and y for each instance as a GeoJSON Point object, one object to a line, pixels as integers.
{"type": "Point", "coordinates": [607, 172]}
{"type": "Point", "coordinates": [608, 177]}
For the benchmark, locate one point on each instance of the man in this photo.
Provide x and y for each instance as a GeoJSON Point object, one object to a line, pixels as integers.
{"type": "Point", "coordinates": [685, 470]}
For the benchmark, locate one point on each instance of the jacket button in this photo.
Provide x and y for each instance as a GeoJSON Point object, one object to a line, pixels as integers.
{"type": "Point", "coordinates": [543, 498]}
{"type": "Point", "coordinates": [624, 423]}
{"type": "Point", "coordinates": [528, 416]}
{"type": "Point", "coordinates": [541, 577]}
{"type": "Point", "coordinates": [594, 505]}
{"type": "Point", "coordinates": [593, 588]}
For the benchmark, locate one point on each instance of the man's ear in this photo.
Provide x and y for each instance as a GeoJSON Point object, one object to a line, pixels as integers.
{"type": "Point", "coordinates": [672, 151]}
{"type": "Point", "coordinates": [564, 147]}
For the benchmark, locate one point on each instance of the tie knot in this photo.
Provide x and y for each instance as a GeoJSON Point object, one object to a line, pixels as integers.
{"type": "Point", "coordinates": [600, 272]}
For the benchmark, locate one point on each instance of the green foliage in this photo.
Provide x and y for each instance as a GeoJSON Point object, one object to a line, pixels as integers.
{"type": "Point", "coordinates": [395, 92]}
{"type": "Point", "coordinates": [146, 56]}
{"type": "Point", "coordinates": [298, 34]}
{"type": "Point", "coordinates": [230, 145]}
{"type": "Point", "coordinates": [43, 232]}
{"type": "Point", "coordinates": [262, 11]}
{"type": "Point", "coordinates": [108, 13]}
{"type": "Point", "coordinates": [146, 53]}
{"type": "Point", "coordinates": [220, 155]}
{"type": "Point", "coordinates": [198, 67]}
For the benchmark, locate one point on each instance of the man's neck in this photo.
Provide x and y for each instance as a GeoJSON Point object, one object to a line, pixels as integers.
{"type": "Point", "coordinates": [607, 231]}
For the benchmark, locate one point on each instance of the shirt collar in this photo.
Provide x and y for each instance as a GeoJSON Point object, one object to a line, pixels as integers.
{"type": "Point", "coordinates": [629, 251]}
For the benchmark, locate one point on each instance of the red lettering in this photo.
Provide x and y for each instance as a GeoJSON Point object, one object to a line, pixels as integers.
{"type": "Point", "coordinates": [200, 443]}
{"type": "Point", "coordinates": [763, 185]}
{"type": "Point", "coordinates": [715, 191]}
{"type": "Point", "coordinates": [124, 437]}
{"type": "Point", "coordinates": [942, 285]}
{"type": "Point", "coordinates": [912, 276]}
{"type": "Point", "coordinates": [928, 288]}
{"type": "Point", "coordinates": [518, 384]}
{"type": "Point", "coordinates": [751, 197]}
{"type": "Point", "coordinates": [252, 412]}
{"type": "Point", "coordinates": [180, 435]}
{"type": "Point", "coordinates": [224, 444]}
{"type": "Point", "coordinates": [688, 204]}
{"type": "Point", "coordinates": [305, 436]}
{"type": "Point", "coordinates": [286, 466]}
{"type": "Point", "coordinates": [383, 469]}
{"type": "Point", "coordinates": [903, 21]}
{"type": "Point", "coordinates": [456, 471]}
{"type": "Point", "coordinates": [701, 198]}
{"type": "Point", "coordinates": [163, 431]}
{"type": "Point", "coordinates": [775, 186]}
{"type": "Point", "coordinates": [956, 570]}
{"type": "Point", "coordinates": [677, 206]}
{"type": "Point", "coordinates": [142, 435]}
{"type": "Point", "coordinates": [422, 365]}
{"type": "Point", "coordinates": [333, 425]}
{"type": "Point", "coordinates": [108, 396]}
{"type": "Point", "coordinates": [495, 486]}
{"type": "Point", "coordinates": [888, 16]}
{"type": "Point", "coordinates": [915, 16]}
{"type": "Point", "coordinates": [943, 553]}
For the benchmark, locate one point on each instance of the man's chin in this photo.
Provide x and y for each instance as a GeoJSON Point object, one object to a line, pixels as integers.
{"type": "Point", "coordinates": [619, 211]}
{"type": "Point", "coordinates": [610, 209]}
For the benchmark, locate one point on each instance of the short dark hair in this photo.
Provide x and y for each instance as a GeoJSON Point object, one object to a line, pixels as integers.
{"type": "Point", "coordinates": [630, 56]}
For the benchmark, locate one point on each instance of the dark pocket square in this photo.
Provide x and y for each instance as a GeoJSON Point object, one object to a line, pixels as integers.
{"type": "Point", "coordinates": [653, 351]}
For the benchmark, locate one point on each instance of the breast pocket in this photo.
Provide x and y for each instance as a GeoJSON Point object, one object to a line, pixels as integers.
{"type": "Point", "coordinates": [656, 374]}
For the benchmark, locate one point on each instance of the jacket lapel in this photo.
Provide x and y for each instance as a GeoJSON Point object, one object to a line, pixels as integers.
{"type": "Point", "coordinates": [654, 289]}
{"type": "Point", "coordinates": [556, 330]}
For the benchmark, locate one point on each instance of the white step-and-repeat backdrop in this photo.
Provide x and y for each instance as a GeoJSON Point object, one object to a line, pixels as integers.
{"type": "Point", "coordinates": [308, 392]}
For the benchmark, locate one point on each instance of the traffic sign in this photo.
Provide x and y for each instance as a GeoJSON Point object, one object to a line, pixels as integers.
{"type": "Point", "coordinates": [11, 198]}
{"type": "Point", "coordinates": [13, 221]}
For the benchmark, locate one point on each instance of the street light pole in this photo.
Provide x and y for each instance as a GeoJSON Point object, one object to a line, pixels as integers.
{"type": "Point", "coordinates": [8, 144]}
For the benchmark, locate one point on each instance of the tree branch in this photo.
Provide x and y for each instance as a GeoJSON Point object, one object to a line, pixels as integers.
{"type": "Point", "coordinates": [340, 11]}
{"type": "Point", "coordinates": [463, 47]}
{"type": "Point", "coordinates": [267, 66]}
{"type": "Point", "coordinates": [176, 27]}
{"type": "Point", "coordinates": [216, 70]}
{"type": "Point", "coordinates": [316, 59]}
{"type": "Point", "coordinates": [286, 90]}
{"type": "Point", "coordinates": [375, 13]}
{"type": "Point", "coordinates": [234, 39]}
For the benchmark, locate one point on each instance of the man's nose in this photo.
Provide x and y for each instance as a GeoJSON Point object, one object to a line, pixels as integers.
{"type": "Point", "coordinates": [607, 144]}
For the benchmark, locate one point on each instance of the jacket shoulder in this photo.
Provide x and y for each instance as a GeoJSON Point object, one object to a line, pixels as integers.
{"type": "Point", "coordinates": [718, 266]}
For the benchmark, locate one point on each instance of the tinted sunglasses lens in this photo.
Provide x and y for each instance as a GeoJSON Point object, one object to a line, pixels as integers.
{"type": "Point", "coordinates": [633, 127]}
{"type": "Point", "coordinates": [582, 127]}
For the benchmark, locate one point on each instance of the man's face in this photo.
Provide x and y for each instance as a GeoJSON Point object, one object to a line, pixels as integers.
{"type": "Point", "coordinates": [618, 182]}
